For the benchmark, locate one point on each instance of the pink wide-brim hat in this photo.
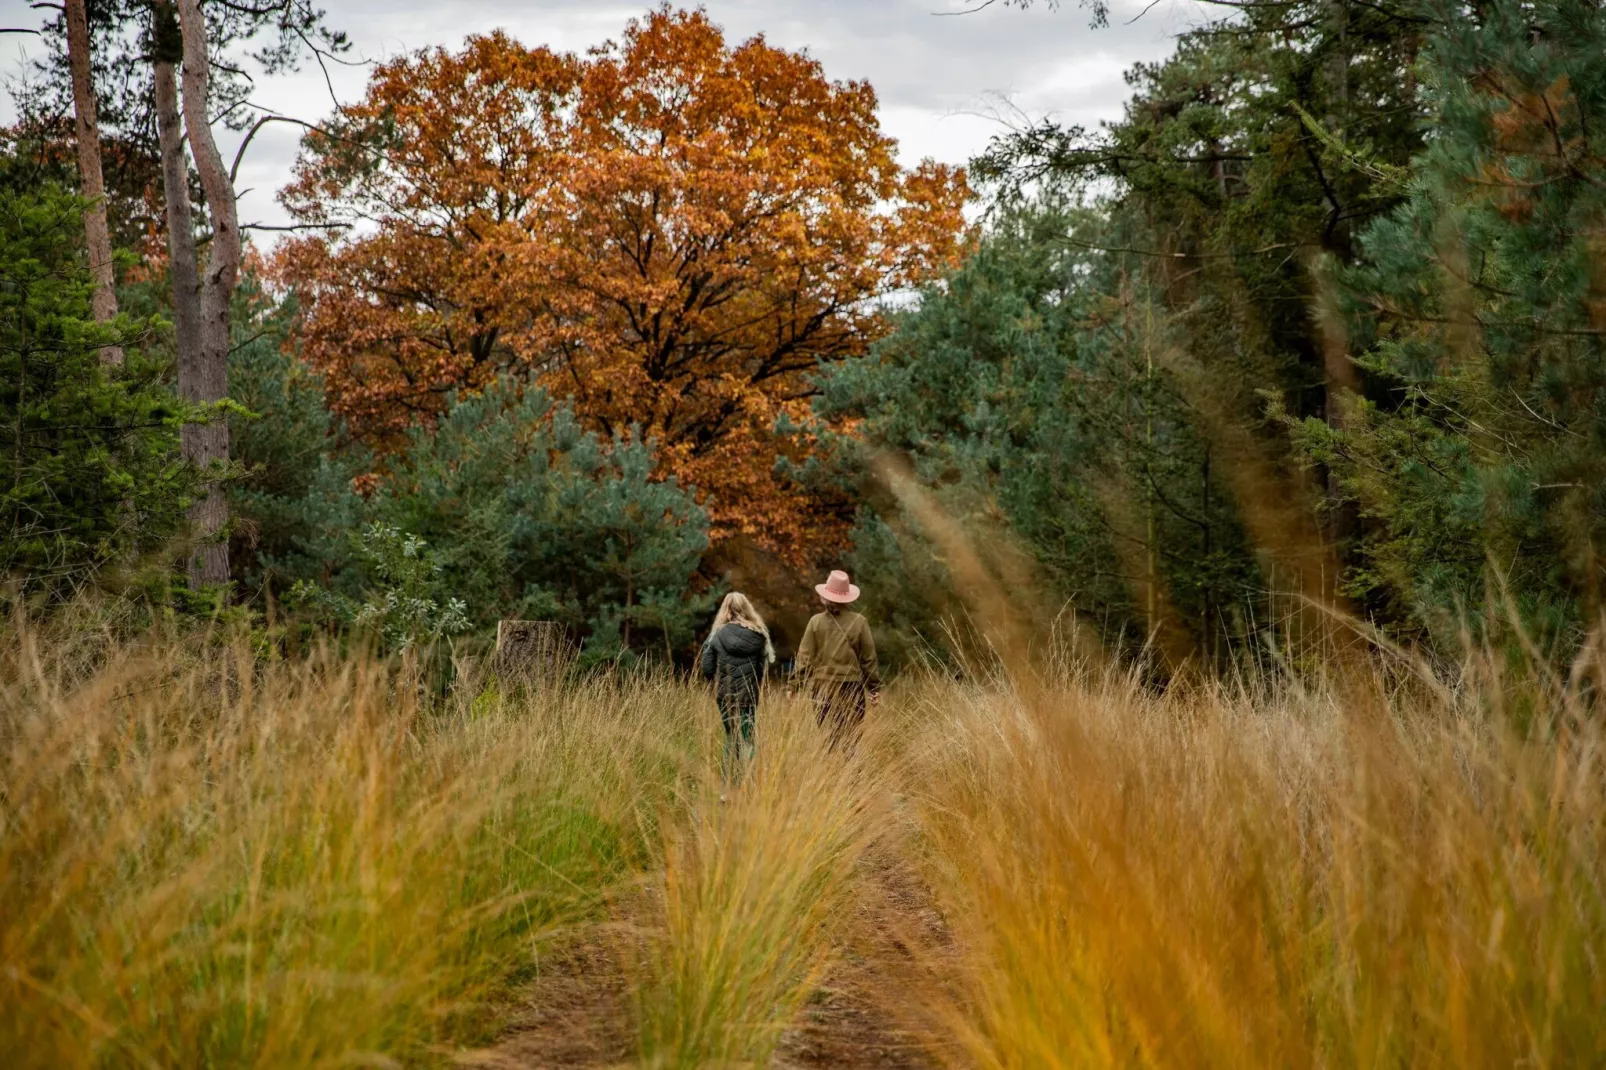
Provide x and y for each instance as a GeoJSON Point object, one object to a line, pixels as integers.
{"type": "Point", "coordinates": [836, 588]}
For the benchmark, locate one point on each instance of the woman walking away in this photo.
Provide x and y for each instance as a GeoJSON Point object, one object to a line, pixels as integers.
{"type": "Point", "coordinates": [837, 660]}
{"type": "Point", "coordinates": [734, 657]}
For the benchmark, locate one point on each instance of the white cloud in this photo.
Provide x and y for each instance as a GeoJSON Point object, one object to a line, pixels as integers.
{"type": "Point", "coordinates": [940, 78]}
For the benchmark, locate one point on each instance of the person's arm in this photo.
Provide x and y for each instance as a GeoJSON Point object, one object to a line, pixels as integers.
{"type": "Point", "coordinates": [710, 660]}
{"type": "Point", "coordinates": [867, 658]}
{"type": "Point", "coordinates": [805, 653]}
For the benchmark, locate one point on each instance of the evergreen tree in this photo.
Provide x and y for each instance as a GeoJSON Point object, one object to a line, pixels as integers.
{"type": "Point", "coordinates": [1019, 389]}
{"type": "Point", "coordinates": [89, 470]}
{"type": "Point", "coordinates": [1481, 306]}
{"type": "Point", "coordinates": [295, 501]}
{"type": "Point", "coordinates": [530, 516]}
{"type": "Point", "coordinates": [523, 513]}
{"type": "Point", "coordinates": [1265, 140]}
{"type": "Point", "coordinates": [631, 543]}
{"type": "Point", "coordinates": [1236, 183]}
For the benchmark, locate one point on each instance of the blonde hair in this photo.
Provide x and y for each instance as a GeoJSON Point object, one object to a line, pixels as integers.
{"type": "Point", "coordinates": [736, 609]}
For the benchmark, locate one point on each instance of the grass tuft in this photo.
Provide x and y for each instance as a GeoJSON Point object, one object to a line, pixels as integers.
{"type": "Point", "coordinates": [205, 861]}
{"type": "Point", "coordinates": [754, 882]}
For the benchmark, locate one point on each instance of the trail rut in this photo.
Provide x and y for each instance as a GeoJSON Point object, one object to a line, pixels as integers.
{"type": "Point", "coordinates": [871, 1011]}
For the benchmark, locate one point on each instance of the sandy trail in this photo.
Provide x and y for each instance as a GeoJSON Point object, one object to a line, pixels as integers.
{"type": "Point", "coordinates": [869, 1012]}
{"type": "Point", "coordinates": [873, 1009]}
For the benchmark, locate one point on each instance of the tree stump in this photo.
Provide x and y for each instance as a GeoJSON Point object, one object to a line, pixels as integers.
{"type": "Point", "coordinates": [470, 674]}
{"type": "Point", "coordinates": [529, 652]}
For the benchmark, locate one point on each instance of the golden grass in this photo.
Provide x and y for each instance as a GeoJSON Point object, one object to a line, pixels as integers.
{"type": "Point", "coordinates": [209, 862]}
{"type": "Point", "coordinates": [754, 881]}
{"type": "Point", "coordinates": [1344, 877]}
{"type": "Point", "coordinates": [205, 860]}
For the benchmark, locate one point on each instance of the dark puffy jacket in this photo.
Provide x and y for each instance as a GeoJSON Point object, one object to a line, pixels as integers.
{"type": "Point", "coordinates": [733, 658]}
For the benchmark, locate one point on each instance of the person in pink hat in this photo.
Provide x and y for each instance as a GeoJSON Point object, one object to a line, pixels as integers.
{"type": "Point", "coordinates": [836, 659]}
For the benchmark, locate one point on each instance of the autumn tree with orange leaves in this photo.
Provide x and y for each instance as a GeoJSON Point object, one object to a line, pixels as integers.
{"type": "Point", "coordinates": [672, 232]}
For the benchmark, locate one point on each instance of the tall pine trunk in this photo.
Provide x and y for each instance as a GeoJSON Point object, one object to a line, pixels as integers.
{"type": "Point", "coordinates": [210, 379]}
{"type": "Point", "coordinates": [202, 444]}
{"type": "Point", "coordinates": [97, 235]}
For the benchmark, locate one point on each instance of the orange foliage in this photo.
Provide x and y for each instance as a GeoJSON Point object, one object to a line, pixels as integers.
{"type": "Point", "coordinates": [671, 231]}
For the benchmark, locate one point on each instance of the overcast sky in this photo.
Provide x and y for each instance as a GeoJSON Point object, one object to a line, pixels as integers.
{"type": "Point", "coordinates": [942, 79]}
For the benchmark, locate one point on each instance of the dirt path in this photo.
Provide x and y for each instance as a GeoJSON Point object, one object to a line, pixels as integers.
{"type": "Point", "coordinates": [871, 1011]}
{"type": "Point", "coordinates": [868, 1013]}
{"type": "Point", "coordinates": [576, 1013]}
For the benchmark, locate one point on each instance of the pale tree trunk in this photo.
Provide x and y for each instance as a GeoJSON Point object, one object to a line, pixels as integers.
{"type": "Point", "coordinates": [87, 133]}
{"type": "Point", "coordinates": [204, 377]}
{"type": "Point", "coordinates": [196, 441]}
{"type": "Point", "coordinates": [180, 224]}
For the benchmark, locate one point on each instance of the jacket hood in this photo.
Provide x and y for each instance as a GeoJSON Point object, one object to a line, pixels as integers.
{"type": "Point", "coordinates": [740, 642]}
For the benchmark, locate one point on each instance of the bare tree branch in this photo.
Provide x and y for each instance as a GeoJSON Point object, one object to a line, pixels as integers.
{"type": "Point", "coordinates": [983, 6]}
{"type": "Point", "coordinates": [264, 121]}
{"type": "Point", "coordinates": [297, 226]}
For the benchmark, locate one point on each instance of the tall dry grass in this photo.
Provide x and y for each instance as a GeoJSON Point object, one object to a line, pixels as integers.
{"type": "Point", "coordinates": [1358, 874]}
{"type": "Point", "coordinates": [209, 861]}
{"type": "Point", "coordinates": [754, 883]}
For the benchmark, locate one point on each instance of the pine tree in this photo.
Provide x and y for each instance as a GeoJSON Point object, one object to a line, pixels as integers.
{"type": "Point", "coordinates": [295, 500]}
{"type": "Point", "coordinates": [1234, 187]}
{"type": "Point", "coordinates": [1481, 306]}
{"type": "Point", "coordinates": [89, 469]}
{"type": "Point", "coordinates": [528, 515]}
{"type": "Point", "coordinates": [1027, 390]}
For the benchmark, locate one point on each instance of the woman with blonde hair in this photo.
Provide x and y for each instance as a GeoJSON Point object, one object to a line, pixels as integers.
{"type": "Point", "coordinates": [735, 655]}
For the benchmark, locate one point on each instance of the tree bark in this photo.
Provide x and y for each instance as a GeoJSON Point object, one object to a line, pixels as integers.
{"type": "Point", "coordinates": [180, 224]}
{"type": "Point", "coordinates": [529, 652]}
{"type": "Point", "coordinates": [97, 236]}
{"type": "Point", "coordinates": [195, 442]}
{"type": "Point", "coordinates": [208, 372]}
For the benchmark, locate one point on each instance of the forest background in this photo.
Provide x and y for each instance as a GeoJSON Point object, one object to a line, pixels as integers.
{"type": "Point", "coordinates": [1312, 334]}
